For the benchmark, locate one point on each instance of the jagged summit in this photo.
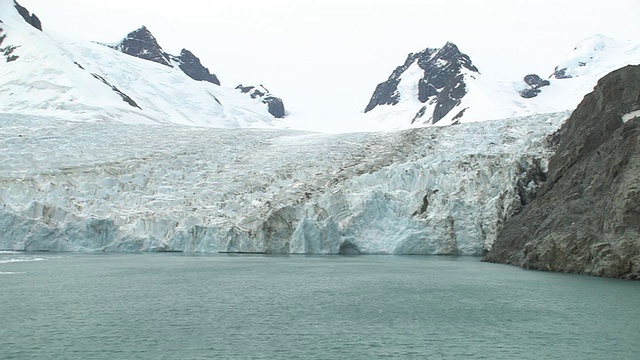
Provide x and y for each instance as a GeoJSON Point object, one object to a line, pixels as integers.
{"type": "Point", "coordinates": [142, 44]}
{"type": "Point", "coordinates": [442, 86]}
{"type": "Point", "coordinates": [433, 76]}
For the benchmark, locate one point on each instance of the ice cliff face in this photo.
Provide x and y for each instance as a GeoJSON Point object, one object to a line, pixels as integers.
{"type": "Point", "coordinates": [586, 218]}
{"type": "Point", "coordinates": [117, 187]}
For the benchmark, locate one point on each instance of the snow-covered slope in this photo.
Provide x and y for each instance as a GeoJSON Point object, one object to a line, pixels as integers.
{"type": "Point", "coordinates": [465, 95]}
{"type": "Point", "coordinates": [52, 75]}
{"type": "Point", "coordinates": [142, 44]}
{"type": "Point", "coordinates": [126, 187]}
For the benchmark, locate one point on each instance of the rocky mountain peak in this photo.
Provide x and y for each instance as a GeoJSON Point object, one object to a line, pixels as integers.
{"type": "Point", "coordinates": [31, 19]}
{"type": "Point", "coordinates": [440, 82]}
{"type": "Point", "coordinates": [142, 44]}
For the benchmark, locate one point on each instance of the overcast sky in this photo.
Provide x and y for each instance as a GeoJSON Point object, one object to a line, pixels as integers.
{"type": "Point", "coordinates": [325, 58]}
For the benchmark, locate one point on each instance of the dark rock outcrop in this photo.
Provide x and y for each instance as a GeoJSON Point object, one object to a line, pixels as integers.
{"type": "Point", "coordinates": [442, 82]}
{"type": "Point", "coordinates": [586, 217]}
{"type": "Point", "coordinates": [126, 98]}
{"type": "Point", "coordinates": [7, 51]}
{"type": "Point", "coordinates": [191, 65]}
{"type": "Point", "coordinates": [386, 93]}
{"type": "Point", "coordinates": [535, 82]}
{"type": "Point", "coordinates": [560, 73]}
{"type": "Point", "coordinates": [142, 44]}
{"type": "Point", "coordinates": [274, 104]}
{"type": "Point", "coordinates": [31, 19]}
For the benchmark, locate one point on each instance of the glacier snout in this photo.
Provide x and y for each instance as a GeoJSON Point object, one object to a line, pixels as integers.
{"type": "Point", "coordinates": [75, 187]}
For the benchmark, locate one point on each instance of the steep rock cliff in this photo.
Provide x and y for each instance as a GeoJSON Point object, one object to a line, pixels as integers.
{"type": "Point", "coordinates": [586, 218]}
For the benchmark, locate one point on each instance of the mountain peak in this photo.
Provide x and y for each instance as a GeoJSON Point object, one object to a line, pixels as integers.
{"type": "Point", "coordinates": [142, 44]}
{"type": "Point", "coordinates": [587, 53]}
{"type": "Point", "coordinates": [433, 76]}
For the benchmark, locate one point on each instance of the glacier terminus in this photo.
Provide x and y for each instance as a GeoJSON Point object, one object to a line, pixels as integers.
{"type": "Point", "coordinates": [83, 186]}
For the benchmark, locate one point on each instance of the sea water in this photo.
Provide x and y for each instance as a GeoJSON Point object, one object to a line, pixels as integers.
{"type": "Point", "coordinates": [175, 306]}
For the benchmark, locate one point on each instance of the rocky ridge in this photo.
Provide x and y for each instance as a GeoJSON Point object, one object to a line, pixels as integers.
{"type": "Point", "coordinates": [586, 217]}
{"type": "Point", "coordinates": [142, 44]}
{"type": "Point", "coordinates": [31, 19]}
{"type": "Point", "coordinates": [442, 82]}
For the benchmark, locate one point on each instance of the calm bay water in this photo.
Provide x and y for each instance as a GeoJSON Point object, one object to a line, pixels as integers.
{"type": "Point", "coordinates": [174, 306]}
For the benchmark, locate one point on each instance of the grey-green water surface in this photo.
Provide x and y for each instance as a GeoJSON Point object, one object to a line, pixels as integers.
{"type": "Point", "coordinates": [172, 306]}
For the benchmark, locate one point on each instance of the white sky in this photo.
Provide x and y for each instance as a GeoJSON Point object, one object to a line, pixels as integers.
{"type": "Point", "coordinates": [324, 58]}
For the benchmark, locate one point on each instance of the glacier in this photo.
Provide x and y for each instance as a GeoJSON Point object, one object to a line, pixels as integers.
{"type": "Point", "coordinates": [108, 186]}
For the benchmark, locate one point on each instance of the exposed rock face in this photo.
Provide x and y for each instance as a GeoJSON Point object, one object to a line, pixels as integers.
{"type": "Point", "coordinates": [535, 82]}
{"type": "Point", "coordinates": [386, 93]}
{"type": "Point", "coordinates": [586, 218]}
{"type": "Point", "coordinates": [126, 98]}
{"type": "Point", "coordinates": [561, 73]}
{"type": "Point", "coordinates": [142, 44]}
{"type": "Point", "coordinates": [32, 19]}
{"type": "Point", "coordinates": [275, 104]}
{"type": "Point", "coordinates": [7, 51]}
{"type": "Point", "coordinates": [191, 65]}
{"type": "Point", "coordinates": [442, 81]}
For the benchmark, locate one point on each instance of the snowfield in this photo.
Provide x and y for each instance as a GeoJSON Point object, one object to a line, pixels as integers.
{"type": "Point", "coordinates": [107, 186]}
